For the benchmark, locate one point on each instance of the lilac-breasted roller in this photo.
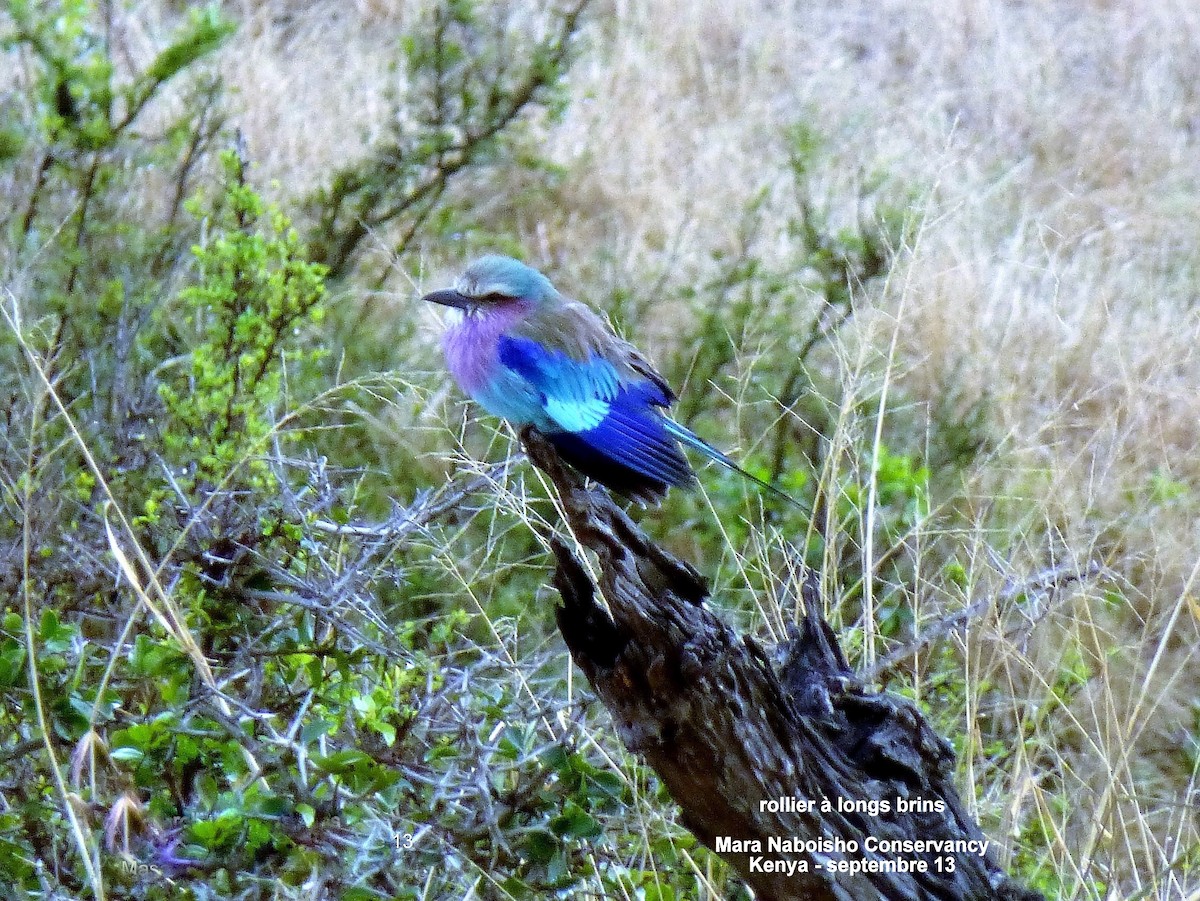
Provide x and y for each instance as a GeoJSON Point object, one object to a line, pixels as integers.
{"type": "Point", "coordinates": [525, 353]}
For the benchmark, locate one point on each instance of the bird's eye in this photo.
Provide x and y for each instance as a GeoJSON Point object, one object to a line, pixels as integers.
{"type": "Point", "coordinates": [494, 297]}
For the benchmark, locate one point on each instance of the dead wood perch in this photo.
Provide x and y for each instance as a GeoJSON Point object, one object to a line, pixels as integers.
{"type": "Point", "coordinates": [725, 729]}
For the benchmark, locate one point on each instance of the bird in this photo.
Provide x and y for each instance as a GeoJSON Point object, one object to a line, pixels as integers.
{"type": "Point", "coordinates": [531, 356]}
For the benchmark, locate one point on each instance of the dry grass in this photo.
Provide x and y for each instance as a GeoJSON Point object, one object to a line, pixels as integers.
{"type": "Point", "coordinates": [1052, 149]}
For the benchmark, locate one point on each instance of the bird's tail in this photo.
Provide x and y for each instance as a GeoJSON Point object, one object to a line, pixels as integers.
{"type": "Point", "coordinates": [690, 439]}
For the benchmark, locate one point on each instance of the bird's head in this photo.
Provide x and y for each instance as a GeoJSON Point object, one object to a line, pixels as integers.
{"type": "Point", "coordinates": [494, 281]}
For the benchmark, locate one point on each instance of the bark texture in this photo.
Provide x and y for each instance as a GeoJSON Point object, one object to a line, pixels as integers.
{"type": "Point", "coordinates": [725, 728]}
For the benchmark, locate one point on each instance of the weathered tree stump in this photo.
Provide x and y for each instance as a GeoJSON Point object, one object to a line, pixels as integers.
{"type": "Point", "coordinates": [743, 747]}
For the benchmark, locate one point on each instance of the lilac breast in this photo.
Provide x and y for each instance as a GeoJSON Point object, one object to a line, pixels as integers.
{"type": "Point", "coordinates": [471, 344]}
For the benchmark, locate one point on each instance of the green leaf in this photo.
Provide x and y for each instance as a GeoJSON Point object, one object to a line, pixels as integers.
{"type": "Point", "coordinates": [12, 142]}
{"type": "Point", "coordinates": [55, 635]}
{"type": "Point", "coordinates": [342, 762]}
{"type": "Point", "coordinates": [387, 731]}
{"type": "Point", "coordinates": [541, 845]}
{"type": "Point", "coordinates": [575, 822]}
{"type": "Point", "coordinates": [12, 663]}
{"type": "Point", "coordinates": [206, 32]}
{"type": "Point", "coordinates": [127, 755]}
{"type": "Point", "coordinates": [307, 814]}
{"type": "Point", "coordinates": [610, 784]}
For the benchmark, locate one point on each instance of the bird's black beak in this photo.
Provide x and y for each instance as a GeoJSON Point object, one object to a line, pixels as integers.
{"type": "Point", "coordinates": [448, 298]}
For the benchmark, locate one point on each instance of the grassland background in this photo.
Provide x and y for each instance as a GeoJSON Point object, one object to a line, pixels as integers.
{"type": "Point", "coordinates": [1048, 157]}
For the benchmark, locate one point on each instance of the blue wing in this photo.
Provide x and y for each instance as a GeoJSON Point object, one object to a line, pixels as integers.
{"type": "Point", "coordinates": [609, 428]}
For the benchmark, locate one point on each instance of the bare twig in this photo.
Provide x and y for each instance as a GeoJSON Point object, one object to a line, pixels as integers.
{"type": "Point", "coordinates": [1047, 582]}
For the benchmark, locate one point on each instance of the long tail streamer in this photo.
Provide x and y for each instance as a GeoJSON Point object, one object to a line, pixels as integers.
{"type": "Point", "coordinates": [694, 441]}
